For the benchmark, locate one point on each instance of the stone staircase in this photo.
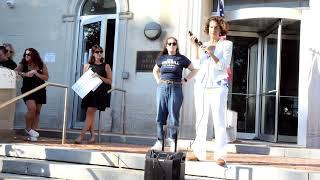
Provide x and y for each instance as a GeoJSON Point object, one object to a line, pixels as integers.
{"type": "Point", "coordinates": [68, 163]}
{"type": "Point", "coordinates": [22, 160]}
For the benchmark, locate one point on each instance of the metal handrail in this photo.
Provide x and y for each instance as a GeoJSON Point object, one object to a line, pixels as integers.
{"type": "Point", "coordinates": [123, 112]}
{"type": "Point", "coordinates": [262, 94]}
{"type": "Point", "coordinates": [116, 89]}
{"type": "Point", "coordinates": [37, 89]}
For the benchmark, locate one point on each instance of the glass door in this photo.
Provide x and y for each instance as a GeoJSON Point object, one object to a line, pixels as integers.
{"type": "Point", "coordinates": [289, 82]}
{"type": "Point", "coordinates": [243, 86]}
{"type": "Point", "coordinates": [269, 93]}
{"type": "Point", "coordinates": [93, 30]}
{"type": "Point", "coordinates": [265, 77]}
{"type": "Point", "coordinates": [288, 105]}
{"type": "Point", "coordinates": [280, 79]}
{"type": "Point", "coordinates": [251, 98]}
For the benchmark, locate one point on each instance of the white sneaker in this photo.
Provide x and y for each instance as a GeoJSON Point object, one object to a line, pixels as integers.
{"type": "Point", "coordinates": [171, 143]}
{"type": "Point", "coordinates": [32, 139]}
{"type": "Point", "coordinates": [32, 133]}
{"type": "Point", "coordinates": [157, 146]}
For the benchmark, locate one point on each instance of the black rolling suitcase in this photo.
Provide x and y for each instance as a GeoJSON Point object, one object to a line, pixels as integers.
{"type": "Point", "coordinates": [161, 165]}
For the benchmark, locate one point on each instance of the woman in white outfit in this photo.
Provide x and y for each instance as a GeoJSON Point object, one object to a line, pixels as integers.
{"type": "Point", "coordinates": [211, 89]}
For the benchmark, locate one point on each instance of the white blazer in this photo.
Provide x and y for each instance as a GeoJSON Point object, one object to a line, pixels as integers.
{"type": "Point", "coordinates": [210, 72]}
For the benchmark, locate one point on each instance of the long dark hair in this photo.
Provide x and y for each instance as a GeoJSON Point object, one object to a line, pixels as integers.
{"type": "Point", "coordinates": [164, 49]}
{"type": "Point", "coordinates": [92, 58]}
{"type": "Point", "coordinates": [35, 58]}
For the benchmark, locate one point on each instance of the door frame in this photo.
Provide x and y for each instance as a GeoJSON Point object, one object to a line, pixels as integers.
{"type": "Point", "coordinates": [243, 135]}
{"type": "Point", "coordinates": [84, 20]}
{"type": "Point", "coordinates": [258, 121]}
{"type": "Point", "coordinates": [266, 36]}
{"type": "Point", "coordinates": [253, 13]}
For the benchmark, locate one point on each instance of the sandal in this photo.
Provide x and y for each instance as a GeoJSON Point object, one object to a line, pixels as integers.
{"type": "Point", "coordinates": [92, 141]}
{"type": "Point", "coordinates": [221, 162]}
{"type": "Point", "coordinates": [78, 140]}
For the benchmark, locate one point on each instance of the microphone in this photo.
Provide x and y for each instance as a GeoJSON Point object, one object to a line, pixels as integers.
{"type": "Point", "coordinates": [199, 43]}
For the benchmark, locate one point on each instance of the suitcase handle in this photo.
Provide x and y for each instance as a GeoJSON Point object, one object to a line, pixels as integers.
{"type": "Point", "coordinates": [162, 155]}
{"type": "Point", "coordinates": [165, 128]}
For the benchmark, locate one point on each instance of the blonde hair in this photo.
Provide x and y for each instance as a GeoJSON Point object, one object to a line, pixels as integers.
{"type": "Point", "coordinates": [13, 52]}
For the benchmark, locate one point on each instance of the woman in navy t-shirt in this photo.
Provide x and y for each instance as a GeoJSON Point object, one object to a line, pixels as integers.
{"type": "Point", "coordinates": [168, 74]}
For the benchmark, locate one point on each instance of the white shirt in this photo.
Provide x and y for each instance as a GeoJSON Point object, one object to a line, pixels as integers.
{"type": "Point", "coordinates": [211, 73]}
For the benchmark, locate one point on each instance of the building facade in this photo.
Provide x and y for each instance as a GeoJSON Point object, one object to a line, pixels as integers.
{"type": "Point", "coordinates": [275, 74]}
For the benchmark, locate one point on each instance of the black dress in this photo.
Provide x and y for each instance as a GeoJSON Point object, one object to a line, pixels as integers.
{"type": "Point", "coordinates": [40, 97]}
{"type": "Point", "coordinates": [98, 98]}
{"type": "Point", "coordinates": [8, 64]}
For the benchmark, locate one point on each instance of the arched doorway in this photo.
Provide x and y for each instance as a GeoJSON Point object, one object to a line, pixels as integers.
{"type": "Point", "coordinates": [265, 67]}
{"type": "Point", "coordinates": [98, 21]}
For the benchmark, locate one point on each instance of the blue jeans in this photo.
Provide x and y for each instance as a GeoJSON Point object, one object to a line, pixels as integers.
{"type": "Point", "coordinates": [169, 101]}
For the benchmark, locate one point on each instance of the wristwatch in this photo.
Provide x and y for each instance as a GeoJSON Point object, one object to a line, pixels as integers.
{"type": "Point", "coordinates": [185, 79]}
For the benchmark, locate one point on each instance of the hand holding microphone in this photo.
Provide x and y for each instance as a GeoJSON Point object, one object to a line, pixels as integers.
{"type": "Point", "coordinates": [199, 43]}
{"type": "Point", "coordinates": [195, 39]}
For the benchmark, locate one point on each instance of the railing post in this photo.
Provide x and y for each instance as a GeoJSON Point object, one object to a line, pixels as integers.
{"type": "Point", "coordinates": [99, 127]}
{"type": "Point", "coordinates": [124, 116]}
{"type": "Point", "coordinates": [64, 128]}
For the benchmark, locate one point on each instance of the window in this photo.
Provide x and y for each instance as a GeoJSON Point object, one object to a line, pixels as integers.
{"type": "Point", "coordinates": [95, 7]}
{"type": "Point", "coordinates": [230, 5]}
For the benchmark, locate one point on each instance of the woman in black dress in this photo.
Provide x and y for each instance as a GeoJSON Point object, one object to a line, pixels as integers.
{"type": "Point", "coordinates": [34, 73]}
{"type": "Point", "coordinates": [98, 99]}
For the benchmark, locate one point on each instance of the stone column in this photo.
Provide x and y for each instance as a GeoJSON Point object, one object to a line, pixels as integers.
{"type": "Point", "coordinates": [309, 78]}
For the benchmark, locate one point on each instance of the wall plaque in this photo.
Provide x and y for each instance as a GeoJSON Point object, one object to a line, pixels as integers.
{"type": "Point", "coordinates": [146, 60]}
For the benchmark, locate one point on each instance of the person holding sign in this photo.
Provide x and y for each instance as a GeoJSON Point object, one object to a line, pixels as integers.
{"type": "Point", "coordinates": [97, 99]}
{"type": "Point", "coordinates": [34, 73]}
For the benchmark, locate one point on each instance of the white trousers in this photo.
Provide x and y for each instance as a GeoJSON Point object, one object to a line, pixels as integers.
{"type": "Point", "coordinates": [213, 99]}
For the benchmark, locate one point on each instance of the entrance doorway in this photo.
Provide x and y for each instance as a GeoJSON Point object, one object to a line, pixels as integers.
{"type": "Point", "coordinates": [94, 29]}
{"type": "Point", "coordinates": [265, 69]}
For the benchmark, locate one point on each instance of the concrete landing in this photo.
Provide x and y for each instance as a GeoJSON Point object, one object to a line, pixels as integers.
{"type": "Point", "coordinates": [129, 159]}
{"type": "Point", "coordinates": [240, 147]}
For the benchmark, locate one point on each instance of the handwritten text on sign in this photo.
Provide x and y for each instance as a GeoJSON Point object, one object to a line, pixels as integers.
{"type": "Point", "coordinates": [86, 83]}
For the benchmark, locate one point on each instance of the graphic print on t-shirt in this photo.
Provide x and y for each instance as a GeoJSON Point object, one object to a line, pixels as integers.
{"type": "Point", "coordinates": [171, 66]}
{"type": "Point", "coordinates": [169, 63]}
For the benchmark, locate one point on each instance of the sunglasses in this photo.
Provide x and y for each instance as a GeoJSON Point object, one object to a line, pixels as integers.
{"type": "Point", "coordinates": [173, 44]}
{"type": "Point", "coordinates": [28, 54]}
{"type": "Point", "coordinates": [98, 52]}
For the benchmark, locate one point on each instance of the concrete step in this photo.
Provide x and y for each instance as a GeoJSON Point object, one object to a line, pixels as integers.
{"type": "Point", "coordinates": [7, 176]}
{"type": "Point", "coordinates": [63, 170]}
{"type": "Point", "coordinates": [240, 147]}
{"type": "Point", "coordinates": [50, 161]}
{"type": "Point", "coordinates": [32, 169]}
{"type": "Point", "coordinates": [49, 169]}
